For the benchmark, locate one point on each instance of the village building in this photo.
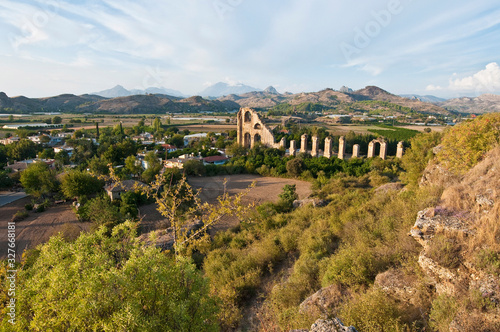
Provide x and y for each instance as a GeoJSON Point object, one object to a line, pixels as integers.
{"type": "Point", "coordinates": [115, 189]}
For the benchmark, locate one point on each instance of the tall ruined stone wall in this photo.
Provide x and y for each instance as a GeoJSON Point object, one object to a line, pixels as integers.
{"type": "Point", "coordinates": [251, 130]}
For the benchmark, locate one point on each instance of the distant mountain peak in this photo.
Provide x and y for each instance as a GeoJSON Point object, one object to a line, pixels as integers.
{"type": "Point", "coordinates": [271, 90]}
{"type": "Point", "coordinates": [345, 89]}
{"type": "Point", "coordinates": [220, 89]}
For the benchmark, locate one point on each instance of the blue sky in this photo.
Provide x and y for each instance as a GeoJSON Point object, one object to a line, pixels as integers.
{"type": "Point", "coordinates": [445, 48]}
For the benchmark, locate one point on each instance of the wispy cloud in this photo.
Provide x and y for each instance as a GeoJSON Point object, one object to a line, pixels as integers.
{"type": "Point", "coordinates": [292, 43]}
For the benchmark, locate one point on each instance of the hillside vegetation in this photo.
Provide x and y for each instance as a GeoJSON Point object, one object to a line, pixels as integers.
{"type": "Point", "coordinates": [345, 253]}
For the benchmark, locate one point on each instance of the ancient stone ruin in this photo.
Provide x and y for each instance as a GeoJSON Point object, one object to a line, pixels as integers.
{"type": "Point", "coordinates": [251, 129]}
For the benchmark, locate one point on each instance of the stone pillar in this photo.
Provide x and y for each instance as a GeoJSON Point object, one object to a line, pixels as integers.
{"type": "Point", "coordinates": [240, 138]}
{"type": "Point", "coordinates": [371, 149]}
{"type": "Point", "coordinates": [303, 143]}
{"type": "Point", "coordinates": [399, 153]}
{"type": "Point", "coordinates": [315, 146]}
{"type": "Point", "coordinates": [341, 154]}
{"type": "Point", "coordinates": [355, 151]}
{"type": "Point", "coordinates": [293, 149]}
{"type": "Point", "coordinates": [383, 150]}
{"type": "Point", "coordinates": [328, 148]}
{"type": "Point", "coordinates": [283, 143]}
{"type": "Point", "coordinates": [252, 141]}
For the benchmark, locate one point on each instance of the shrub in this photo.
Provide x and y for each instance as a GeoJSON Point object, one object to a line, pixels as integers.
{"type": "Point", "coordinates": [295, 166]}
{"type": "Point", "coordinates": [372, 311]}
{"type": "Point", "coordinates": [466, 144]}
{"type": "Point", "coordinates": [488, 260]}
{"type": "Point", "coordinates": [417, 157]}
{"type": "Point", "coordinates": [445, 251]}
{"type": "Point", "coordinates": [20, 215]}
{"type": "Point", "coordinates": [444, 309]}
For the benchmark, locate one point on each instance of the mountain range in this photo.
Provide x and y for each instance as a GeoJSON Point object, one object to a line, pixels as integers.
{"type": "Point", "coordinates": [223, 89]}
{"type": "Point", "coordinates": [158, 100]}
{"type": "Point", "coordinates": [120, 91]}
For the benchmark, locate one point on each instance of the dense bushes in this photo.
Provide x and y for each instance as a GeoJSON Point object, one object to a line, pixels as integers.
{"type": "Point", "coordinates": [109, 283]}
{"type": "Point", "coordinates": [466, 144]}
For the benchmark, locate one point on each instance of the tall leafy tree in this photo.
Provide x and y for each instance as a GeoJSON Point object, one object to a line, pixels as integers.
{"type": "Point", "coordinates": [38, 179]}
{"type": "Point", "coordinates": [21, 150]}
{"type": "Point", "coordinates": [102, 283]}
{"type": "Point", "coordinates": [77, 183]}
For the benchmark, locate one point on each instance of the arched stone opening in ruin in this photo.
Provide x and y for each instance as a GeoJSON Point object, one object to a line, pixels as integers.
{"type": "Point", "coordinates": [377, 148]}
{"type": "Point", "coordinates": [256, 138]}
{"type": "Point", "coordinates": [247, 140]}
{"type": "Point", "coordinates": [257, 126]}
{"type": "Point", "coordinates": [248, 116]}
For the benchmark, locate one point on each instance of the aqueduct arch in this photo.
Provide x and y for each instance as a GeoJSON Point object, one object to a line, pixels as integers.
{"type": "Point", "coordinates": [251, 129]}
{"type": "Point", "coordinates": [383, 148]}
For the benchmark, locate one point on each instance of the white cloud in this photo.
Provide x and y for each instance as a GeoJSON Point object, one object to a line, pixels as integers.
{"type": "Point", "coordinates": [487, 79]}
{"type": "Point", "coordinates": [432, 87]}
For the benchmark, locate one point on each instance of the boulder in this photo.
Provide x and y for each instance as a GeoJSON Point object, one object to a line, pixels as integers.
{"type": "Point", "coordinates": [395, 283]}
{"type": "Point", "coordinates": [323, 302]}
{"type": "Point", "coordinates": [331, 325]}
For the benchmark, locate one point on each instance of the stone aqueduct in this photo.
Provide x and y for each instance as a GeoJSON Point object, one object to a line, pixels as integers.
{"type": "Point", "coordinates": [252, 130]}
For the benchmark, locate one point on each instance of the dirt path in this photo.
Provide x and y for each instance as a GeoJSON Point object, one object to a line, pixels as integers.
{"type": "Point", "coordinates": [37, 227]}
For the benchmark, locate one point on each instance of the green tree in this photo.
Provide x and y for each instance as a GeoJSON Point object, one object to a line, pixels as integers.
{"type": "Point", "coordinates": [38, 179]}
{"type": "Point", "coordinates": [98, 166]}
{"type": "Point", "coordinates": [47, 154]}
{"type": "Point", "coordinates": [5, 180]}
{"type": "Point", "coordinates": [133, 165]}
{"type": "Point", "coordinates": [62, 157]}
{"type": "Point", "coordinates": [77, 183]}
{"type": "Point", "coordinates": [157, 125]}
{"type": "Point", "coordinates": [236, 150]}
{"type": "Point", "coordinates": [295, 166]}
{"type": "Point", "coordinates": [101, 283]}
{"type": "Point", "coordinates": [286, 198]}
{"type": "Point", "coordinates": [154, 167]}
{"type": "Point", "coordinates": [56, 120]}
{"type": "Point", "coordinates": [45, 139]}
{"type": "Point", "coordinates": [177, 140]}
{"type": "Point", "coordinates": [101, 212]}
{"type": "Point", "coordinates": [3, 155]}
{"type": "Point", "coordinates": [23, 149]}
{"type": "Point", "coordinates": [194, 167]}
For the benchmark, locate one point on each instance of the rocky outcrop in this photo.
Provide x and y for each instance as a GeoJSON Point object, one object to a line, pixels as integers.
{"type": "Point", "coordinates": [396, 284]}
{"type": "Point", "coordinates": [433, 220]}
{"type": "Point", "coordinates": [328, 325]}
{"type": "Point", "coordinates": [437, 175]}
{"type": "Point", "coordinates": [323, 302]}
{"type": "Point", "coordinates": [387, 187]}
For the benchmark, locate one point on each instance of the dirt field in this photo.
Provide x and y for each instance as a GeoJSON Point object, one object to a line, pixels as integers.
{"type": "Point", "coordinates": [266, 189]}
{"type": "Point", "coordinates": [37, 227]}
